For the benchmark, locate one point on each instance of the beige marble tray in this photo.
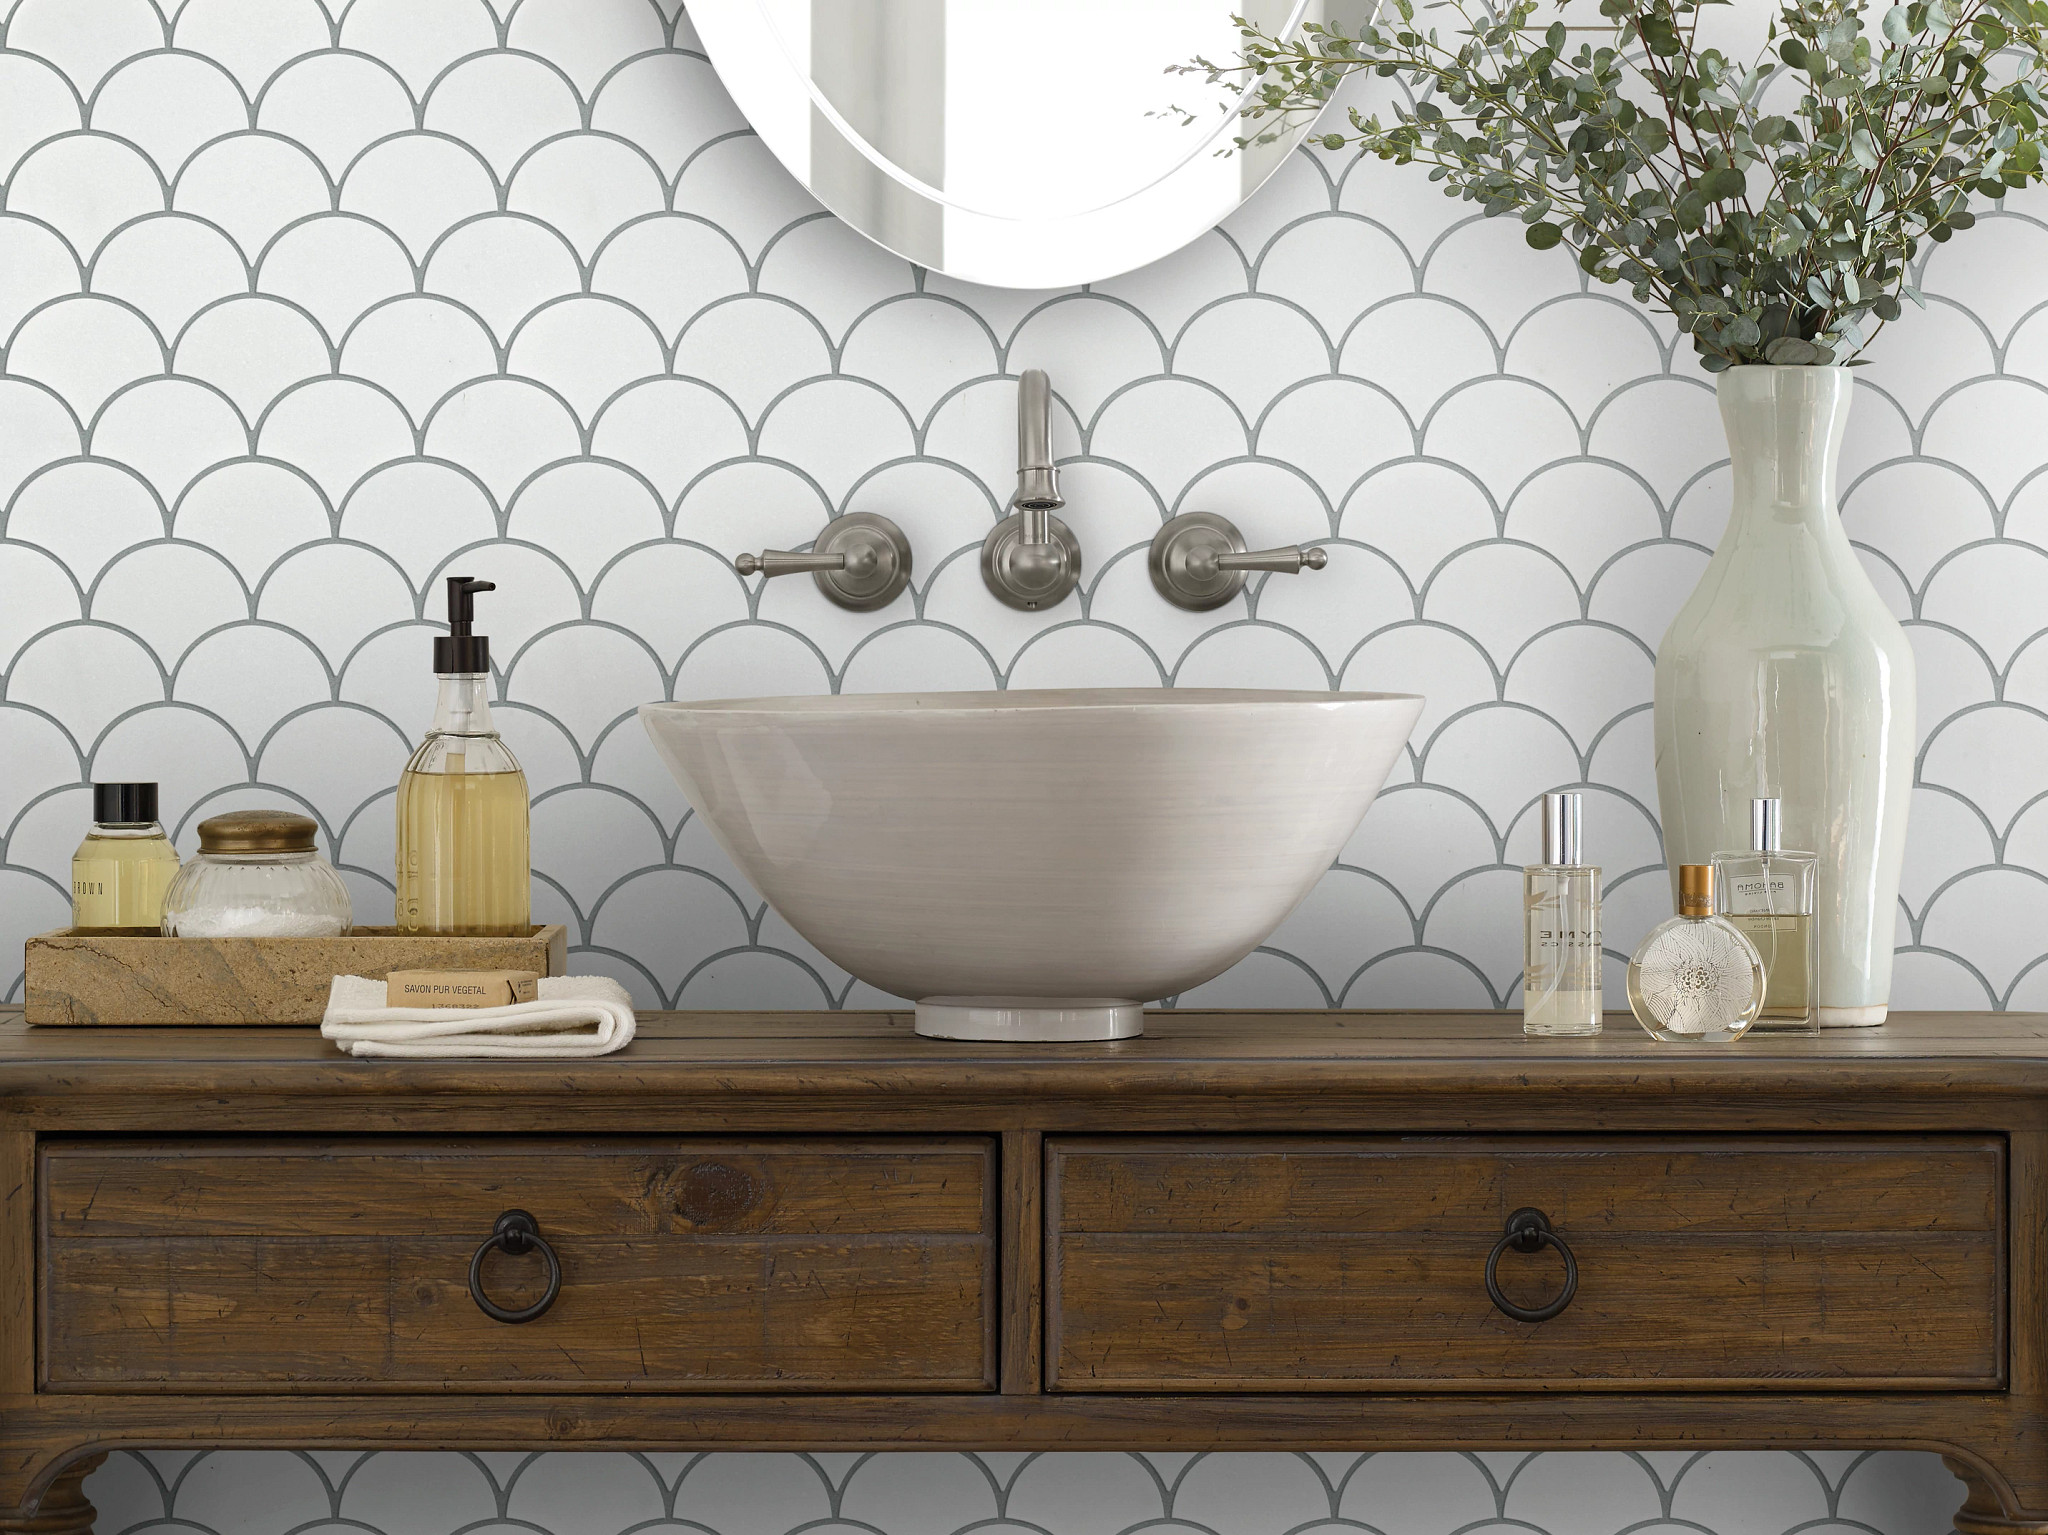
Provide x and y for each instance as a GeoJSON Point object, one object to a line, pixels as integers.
{"type": "Point", "coordinates": [91, 978]}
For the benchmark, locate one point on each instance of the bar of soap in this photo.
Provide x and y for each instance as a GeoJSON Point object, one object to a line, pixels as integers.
{"type": "Point", "coordinates": [460, 988]}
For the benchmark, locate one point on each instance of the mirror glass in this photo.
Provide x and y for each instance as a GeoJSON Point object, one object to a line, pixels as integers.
{"type": "Point", "coordinates": [1020, 143]}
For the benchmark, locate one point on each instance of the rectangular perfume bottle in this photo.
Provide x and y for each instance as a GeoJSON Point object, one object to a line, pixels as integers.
{"type": "Point", "coordinates": [1561, 930]}
{"type": "Point", "coordinates": [1768, 894]}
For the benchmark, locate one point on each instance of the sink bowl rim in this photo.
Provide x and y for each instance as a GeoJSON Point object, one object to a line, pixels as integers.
{"type": "Point", "coordinates": [993, 701]}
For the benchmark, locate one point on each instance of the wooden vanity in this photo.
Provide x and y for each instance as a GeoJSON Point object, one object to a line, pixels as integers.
{"type": "Point", "coordinates": [1245, 1230]}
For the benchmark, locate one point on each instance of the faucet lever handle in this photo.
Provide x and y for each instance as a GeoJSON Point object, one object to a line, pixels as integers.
{"type": "Point", "coordinates": [1291, 560]}
{"type": "Point", "coordinates": [1198, 561]}
{"type": "Point", "coordinates": [860, 561]}
{"type": "Point", "coordinates": [784, 562]}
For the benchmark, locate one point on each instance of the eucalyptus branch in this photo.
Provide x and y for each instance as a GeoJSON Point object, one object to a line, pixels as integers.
{"type": "Point", "coordinates": [1639, 153]}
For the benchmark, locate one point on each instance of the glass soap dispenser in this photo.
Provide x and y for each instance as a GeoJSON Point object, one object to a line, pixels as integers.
{"type": "Point", "coordinates": [464, 851]}
{"type": "Point", "coordinates": [125, 864]}
{"type": "Point", "coordinates": [1561, 929]}
{"type": "Point", "coordinates": [1768, 894]}
{"type": "Point", "coordinates": [1696, 979]}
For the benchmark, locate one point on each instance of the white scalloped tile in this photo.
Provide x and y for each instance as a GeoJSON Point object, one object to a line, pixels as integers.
{"type": "Point", "coordinates": [1986, 754]}
{"type": "Point", "coordinates": [1991, 425]}
{"type": "Point", "coordinates": [918, 348]}
{"type": "Point", "coordinates": [252, 514]}
{"type": "Point", "coordinates": [752, 505]}
{"type": "Point", "coordinates": [335, 267]}
{"type": "Point", "coordinates": [1172, 291]}
{"type": "Point", "coordinates": [592, 512]}
{"type": "Point", "coordinates": [669, 268]}
{"type": "Point", "coordinates": [1586, 348]}
{"type": "Point", "coordinates": [250, 676]}
{"type": "Point", "coordinates": [585, 187]}
{"type": "Point", "coordinates": [36, 103]}
{"type": "Point", "coordinates": [502, 105]}
{"type": "Point", "coordinates": [1335, 269]}
{"type": "Point", "coordinates": [169, 104]}
{"type": "Point", "coordinates": [168, 595]}
{"type": "Point", "coordinates": [39, 266]}
{"type": "Point", "coordinates": [35, 432]}
{"type": "Point", "coordinates": [1336, 431]}
{"type": "Point", "coordinates": [335, 595]}
{"type": "Point", "coordinates": [418, 186]}
{"type": "Point", "coordinates": [1252, 349]}
{"type": "Point", "coordinates": [41, 595]}
{"type": "Point", "coordinates": [1951, 837]}
{"type": "Point", "coordinates": [418, 38]}
{"type": "Point", "coordinates": [753, 349]}
{"type": "Point", "coordinates": [671, 431]}
{"type": "Point", "coordinates": [1487, 267]}
{"type": "Point", "coordinates": [502, 431]}
{"type": "Point", "coordinates": [85, 41]}
{"type": "Point", "coordinates": [336, 105]}
{"type": "Point", "coordinates": [1418, 349]}
{"type": "Point", "coordinates": [85, 513]}
{"type": "Point", "coordinates": [170, 430]}
{"type": "Point", "coordinates": [586, 350]}
{"type": "Point", "coordinates": [669, 104]}
{"type": "Point", "coordinates": [1916, 362]}
{"type": "Point", "coordinates": [761, 1494]}
{"type": "Point", "coordinates": [169, 266]}
{"type": "Point", "coordinates": [85, 348]}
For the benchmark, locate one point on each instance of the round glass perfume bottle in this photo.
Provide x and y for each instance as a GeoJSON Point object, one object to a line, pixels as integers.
{"type": "Point", "coordinates": [1696, 979]}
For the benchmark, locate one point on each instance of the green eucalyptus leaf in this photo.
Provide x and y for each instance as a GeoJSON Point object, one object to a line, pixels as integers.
{"type": "Point", "coordinates": [1543, 237]}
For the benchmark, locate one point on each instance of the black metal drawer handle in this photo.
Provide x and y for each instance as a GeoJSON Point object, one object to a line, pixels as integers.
{"type": "Point", "coordinates": [1529, 1232]}
{"type": "Point", "coordinates": [517, 1233]}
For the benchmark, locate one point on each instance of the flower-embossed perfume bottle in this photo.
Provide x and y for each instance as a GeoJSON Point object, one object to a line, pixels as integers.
{"type": "Point", "coordinates": [1561, 929]}
{"type": "Point", "coordinates": [1696, 979]}
{"type": "Point", "coordinates": [1768, 894]}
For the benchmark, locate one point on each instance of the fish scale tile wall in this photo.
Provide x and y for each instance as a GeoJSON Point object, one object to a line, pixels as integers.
{"type": "Point", "coordinates": [305, 304]}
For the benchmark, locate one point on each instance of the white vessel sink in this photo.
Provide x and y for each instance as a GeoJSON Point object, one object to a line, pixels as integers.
{"type": "Point", "coordinates": [1034, 865]}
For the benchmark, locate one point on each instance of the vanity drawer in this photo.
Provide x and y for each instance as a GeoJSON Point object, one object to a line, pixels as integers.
{"type": "Point", "coordinates": [686, 1265]}
{"type": "Point", "coordinates": [1849, 1263]}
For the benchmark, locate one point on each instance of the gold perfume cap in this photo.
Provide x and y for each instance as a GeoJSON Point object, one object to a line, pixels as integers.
{"type": "Point", "coordinates": [257, 831]}
{"type": "Point", "coordinates": [1695, 890]}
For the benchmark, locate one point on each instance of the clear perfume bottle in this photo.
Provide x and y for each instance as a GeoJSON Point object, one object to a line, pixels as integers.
{"type": "Point", "coordinates": [1768, 894]}
{"type": "Point", "coordinates": [1696, 979]}
{"type": "Point", "coordinates": [1561, 929]}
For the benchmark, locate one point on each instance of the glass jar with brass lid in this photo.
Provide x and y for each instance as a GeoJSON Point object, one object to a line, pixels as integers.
{"type": "Point", "coordinates": [257, 875]}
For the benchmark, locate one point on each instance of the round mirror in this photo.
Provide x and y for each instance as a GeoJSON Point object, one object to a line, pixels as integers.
{"type": "Point", "coordinates": [1019, 143]}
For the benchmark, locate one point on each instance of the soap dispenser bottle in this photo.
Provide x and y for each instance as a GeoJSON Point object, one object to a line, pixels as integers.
{"type": "Point", "coordinates": [464, 854]}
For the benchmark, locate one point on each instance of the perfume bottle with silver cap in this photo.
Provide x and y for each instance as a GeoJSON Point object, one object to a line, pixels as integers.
{"type": "Point", "coordinates": [1767, 893]}
{"type": "Point", "coordinates": [1561, 929]}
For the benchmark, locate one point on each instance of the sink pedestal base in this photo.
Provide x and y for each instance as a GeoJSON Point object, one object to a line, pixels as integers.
{"type": "Point", "coordinates": [1030, 1020]}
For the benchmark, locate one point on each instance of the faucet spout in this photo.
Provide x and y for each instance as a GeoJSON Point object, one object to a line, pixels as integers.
{"type": "Point", "coordinates": [1038, 478]}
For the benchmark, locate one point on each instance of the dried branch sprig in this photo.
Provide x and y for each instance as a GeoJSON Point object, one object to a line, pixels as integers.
{"type": "Point", "coordinates": [1770, 237]}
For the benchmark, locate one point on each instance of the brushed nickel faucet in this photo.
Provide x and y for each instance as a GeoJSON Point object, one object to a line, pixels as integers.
{"type": "Point", "coordinates": [1199, 560]}
{"type": "Point", "coordinates": [1031, 559]}
{"type": "Point", "coordinates": [861, 561]}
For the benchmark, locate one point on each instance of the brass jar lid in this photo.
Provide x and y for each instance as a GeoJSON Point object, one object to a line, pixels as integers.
{"type": "Point", "coordinates": [257, 831]}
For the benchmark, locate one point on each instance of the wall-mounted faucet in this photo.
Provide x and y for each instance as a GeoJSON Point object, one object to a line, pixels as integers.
{"type": "Point", "coordinates": [1031, 559]}
{"type": "Point", "coordinates": [1199, 560]}
{"type": "Point", "coordinates": [860, 561]}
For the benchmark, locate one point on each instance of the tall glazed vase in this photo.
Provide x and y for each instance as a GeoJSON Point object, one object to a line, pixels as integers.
{"type": "Point", "coordinates": [1784, 674]}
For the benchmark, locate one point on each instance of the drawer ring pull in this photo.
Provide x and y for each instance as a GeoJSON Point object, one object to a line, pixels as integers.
{"type": "Point", "coordinates": [516, 1233]}
{"type": "Point", "coordinates": [1529, 1231]}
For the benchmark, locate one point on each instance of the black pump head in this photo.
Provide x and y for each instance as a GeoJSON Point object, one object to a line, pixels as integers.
{"type": "Point", "coordinates": [458, 650]}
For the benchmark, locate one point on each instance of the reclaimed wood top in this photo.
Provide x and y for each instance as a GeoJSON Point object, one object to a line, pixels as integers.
{"type": "Point", "coordinates": [757, 1054]}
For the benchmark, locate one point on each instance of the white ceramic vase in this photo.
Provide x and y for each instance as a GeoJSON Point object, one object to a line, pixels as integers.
{"type": "Point", "coordinates": [1784, 674]}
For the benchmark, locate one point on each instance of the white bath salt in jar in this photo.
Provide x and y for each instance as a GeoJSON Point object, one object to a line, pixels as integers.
{"type": "Point", "coordinates": [257, 875]}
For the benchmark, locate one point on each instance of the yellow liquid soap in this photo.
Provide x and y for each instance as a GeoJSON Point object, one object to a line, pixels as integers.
{"type": "Point", "coordinates": [118, 882]}
{"type": "Point", "coordinates": [464, 852]}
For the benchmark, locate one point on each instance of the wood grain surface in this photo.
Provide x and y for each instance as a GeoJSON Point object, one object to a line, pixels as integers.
{"type": "Point", "coordinates": [685, 1267]}
{"type": "Point", "coordinates": [1288, 1266]}
{"type": "Point", "coordinates": [78, 979]}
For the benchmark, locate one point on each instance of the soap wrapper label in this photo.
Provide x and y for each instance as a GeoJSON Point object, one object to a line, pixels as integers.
{"type": "Point", "coordinates": [460, 988]}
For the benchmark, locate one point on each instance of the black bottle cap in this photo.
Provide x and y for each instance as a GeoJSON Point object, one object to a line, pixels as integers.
{"type": "Point", "coordinates": [123, 804]}
{"type": "Point", "coordinates": [458, 650]}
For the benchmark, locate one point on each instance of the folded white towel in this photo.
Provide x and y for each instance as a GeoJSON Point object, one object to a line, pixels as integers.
{"type": "Point", "coordinates": [576, 1015]}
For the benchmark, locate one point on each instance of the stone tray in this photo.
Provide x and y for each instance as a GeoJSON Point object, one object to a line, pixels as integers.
{"type": "Point", "coordinates": [111, 979]}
